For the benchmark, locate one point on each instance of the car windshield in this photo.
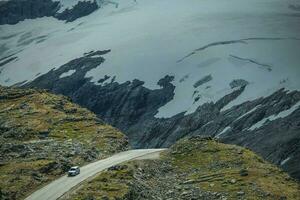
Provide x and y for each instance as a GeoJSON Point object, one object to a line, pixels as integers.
{"type": "Point", "coordinates": [73, 169]}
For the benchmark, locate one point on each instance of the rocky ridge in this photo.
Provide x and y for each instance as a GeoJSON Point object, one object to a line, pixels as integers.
{"type": "Point", "coordinates": [42, 135]}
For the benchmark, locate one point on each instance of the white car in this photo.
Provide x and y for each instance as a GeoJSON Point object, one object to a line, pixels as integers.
{"type": "Point", "coordinates": [73, 171]}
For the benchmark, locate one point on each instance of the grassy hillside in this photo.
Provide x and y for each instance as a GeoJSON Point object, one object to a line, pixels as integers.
{"type": "Point", "coordinates": [42, 135]}
{"type": "Point", "coordinates": [231, 170]}
{"type": "Point", "coordinates": [194, 168]}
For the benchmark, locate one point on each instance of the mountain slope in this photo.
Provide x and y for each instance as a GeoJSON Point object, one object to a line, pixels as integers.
{"type": "Point", "coordinates": [194, 168]}
{"type": "Point", "coordinates": [171, 68]}
{"type": "Point", "coordinates": [269, 126]}
{"type": "Point", "coordinates": [42, 135]}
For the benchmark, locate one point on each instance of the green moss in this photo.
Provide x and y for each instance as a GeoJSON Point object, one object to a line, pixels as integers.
{"type": "Point", "coordinates": [30, 116]}
{"type": "Point", "coordinates": [207, 165]}
{"type": "Point", "coordinates": [230, 169]}
{"type": "Point", "coordinates": [112, 184]}
{"type": "Point", "coordinates": [18, 175]}
{"type": "Point", "coordinates": [41, 112]}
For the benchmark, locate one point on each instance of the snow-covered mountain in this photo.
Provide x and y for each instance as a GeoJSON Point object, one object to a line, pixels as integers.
{"type": "Point", "coordinates": [163, 69]}
{"type": "Point", "coordinates": [258, 41]}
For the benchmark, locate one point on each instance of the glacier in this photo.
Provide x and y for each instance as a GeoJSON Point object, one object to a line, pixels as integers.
{"type": "Point", "coordinates": [257, 41]}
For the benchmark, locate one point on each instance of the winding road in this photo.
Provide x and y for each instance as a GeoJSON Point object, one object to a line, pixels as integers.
{"type": "Point", "coordinates": [59, 187]}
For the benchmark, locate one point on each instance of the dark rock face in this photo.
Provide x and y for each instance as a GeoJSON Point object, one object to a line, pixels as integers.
{"type": "Point", "coordinates": [238, 83]}
{"type": "Point", "coordinates": [131, 107]}
{"type": "Point", "coordinates": [123, 105]}
{"type": "Point", "coordinates": [14, 11]}
{"type": "Point", "coordinates": [203, 80]}
{"type": "Point", "coordinates": [83, 8]}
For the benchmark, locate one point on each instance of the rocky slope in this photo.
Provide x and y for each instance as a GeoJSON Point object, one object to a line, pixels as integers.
{"type": "Point", "coordinates": [269, 126]}
{"type": "Point", "coordinates": [42, 135]}
{"type": "Point", "coordinates": [194, 168]}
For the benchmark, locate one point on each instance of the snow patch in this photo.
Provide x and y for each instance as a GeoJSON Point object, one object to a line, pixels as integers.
{"type": "Point", "coordinates": [282, 114]}
{"type": "Point", "coordinates": [249, 112]}
{"type": "Point", "coordinates": [222, 132]}
{"type": "Point", "coordinates": [285, 161]}
{"type": "Point", "coordinates": [207, 124]}
{"type": "Point", "coordinates": [68, 73]}
{"type": "Point", "coordinates": [69, 4]}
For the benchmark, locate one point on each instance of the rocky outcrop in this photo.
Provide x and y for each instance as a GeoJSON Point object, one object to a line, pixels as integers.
{"type": "Point", "coordinates": [203, 80]}
{"type": "Point", "coordinates": [42, 135]}
{"type": "Point", "coordinates": [14, 11]}
{"type": "Point", "coordinates": [81, 9]}
{"type": "Point", "coordinates": [131, 107]}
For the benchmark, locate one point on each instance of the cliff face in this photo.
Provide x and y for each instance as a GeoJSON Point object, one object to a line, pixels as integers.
{"type": "Point", "coordinates": [193, 168]}
{"type": "Point", "coordinates": [42, 135]}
